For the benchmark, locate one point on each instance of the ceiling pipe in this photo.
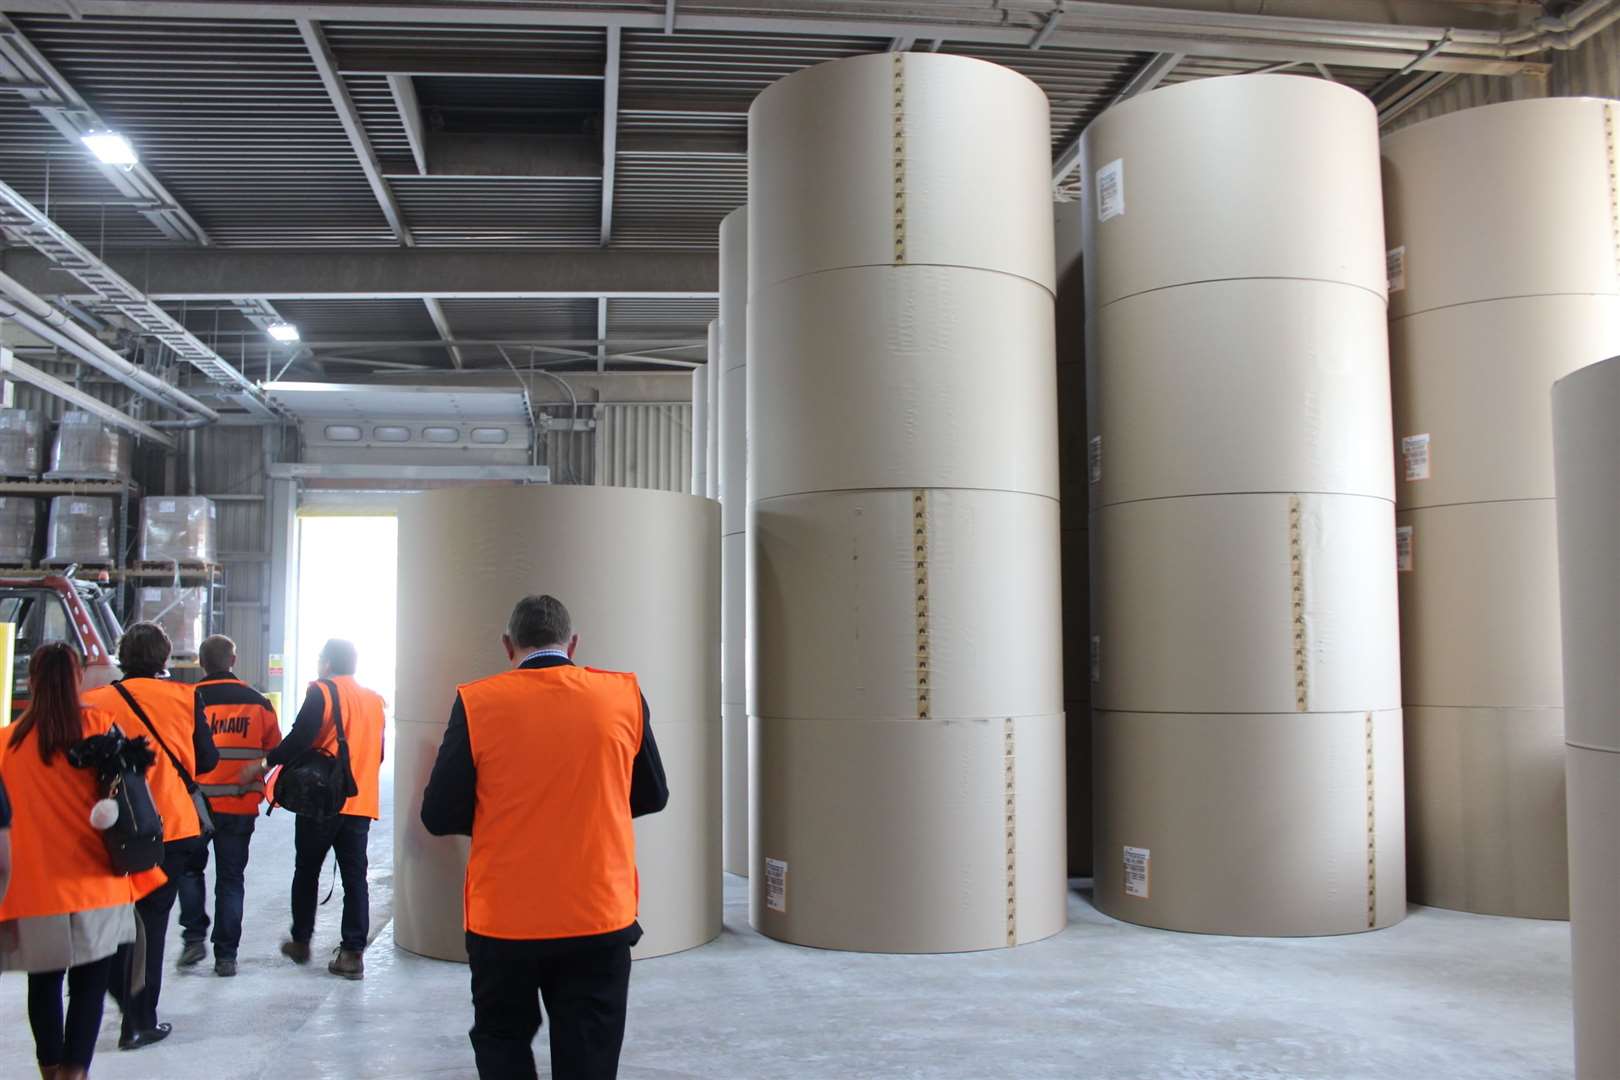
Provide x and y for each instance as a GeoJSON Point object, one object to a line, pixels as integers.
{"type": "Point", "coordinates": [11, 367]}
{"type": "Point", "coordinates": [32, 312]}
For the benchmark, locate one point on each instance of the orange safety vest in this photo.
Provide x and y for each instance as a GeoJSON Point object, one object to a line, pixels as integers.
{"type": "Point", "coordinates": [58, 863]}
{"type": "Point", "coordinates": [553, 848]}
{"type": "Point", "coordinates": [363, 727]}
{"type": "Point", "coordinates": [172, 708]}
{"type": "Point", "coordinates": [245, 729]}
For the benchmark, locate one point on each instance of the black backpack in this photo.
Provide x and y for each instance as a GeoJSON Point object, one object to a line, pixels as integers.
{"type": "Point", "coordinates": [316, 784]}
{"type": "Point", "coordinates": [135, 841]}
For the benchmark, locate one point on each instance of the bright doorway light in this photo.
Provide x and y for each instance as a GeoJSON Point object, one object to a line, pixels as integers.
{"type": "Point", "coordinates": [346, 589]}
{"type": "Point", "coordinates": [111, 148]}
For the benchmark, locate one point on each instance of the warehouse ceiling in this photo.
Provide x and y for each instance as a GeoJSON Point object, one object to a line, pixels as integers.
{"type": "Point", "coordinates": [442, 186]}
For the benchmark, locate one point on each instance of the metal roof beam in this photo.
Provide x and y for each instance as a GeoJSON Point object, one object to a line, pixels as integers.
{"type": "Point", "coordinates": [1148, 76]}
{"type": "Point", "coordinates": [374, 273]}
{"type": "Point", "coordinates": [610, 127]}
{"type": "Point", "coordinates": [37, 81]}
{"type": "Point", "coordinates": [1487, 50]}
{"type": "Point", "coordinates": [410, 116]}
{"type": "Point", "coordinates": [442, 325]}
{"type": "Point", "coordinates": [336, 89]}
{"type": "Point", "coordinates": [601, 333]}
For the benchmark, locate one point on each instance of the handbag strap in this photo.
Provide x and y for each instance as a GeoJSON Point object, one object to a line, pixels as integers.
{"type": "Point", "coordinates": [140, 714]}
{"type": "Point", "coordinates": [351, 786]}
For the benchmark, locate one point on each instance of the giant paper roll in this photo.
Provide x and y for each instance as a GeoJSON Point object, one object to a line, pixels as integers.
{"type": "Point", "coordinates": [1587, 458]}
{"type": "Point", "coordinates": [639, 572]}
{"type": "Point", "coordinates": [733, 527]}
{"type": "Point", "coordinates": [905, 688]}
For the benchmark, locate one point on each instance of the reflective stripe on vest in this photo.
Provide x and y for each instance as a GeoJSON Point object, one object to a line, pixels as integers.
{"type": "Point", "coordinates": [553, 849]}
{"type": "Point", "coordinates": [226, 791]}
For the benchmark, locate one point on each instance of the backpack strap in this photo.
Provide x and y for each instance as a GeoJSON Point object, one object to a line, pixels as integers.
{"type": "Point", "coordinates": [329, 690]}
{"type": "Point", "coordinates": [140, 714]}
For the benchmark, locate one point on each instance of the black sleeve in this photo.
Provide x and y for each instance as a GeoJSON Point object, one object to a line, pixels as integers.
{"type": "Point", "coordinates": [5, 808]}
{"type": "Point", "coordinates": [649, 790]}
{"type": "Point", "coordinates": [452, 789]}
{"type": "Point", "coordinates": [305, 730]}
{"type": "Point", "coordinates": [202, 740]}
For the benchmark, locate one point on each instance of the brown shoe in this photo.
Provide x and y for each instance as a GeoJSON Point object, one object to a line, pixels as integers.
{"type": "Point", "coordinates": [296, 951]}
{"type": "Point", "coordinates": [347, 965]}
{"type": "Point", "coordinates": [50, 1072]}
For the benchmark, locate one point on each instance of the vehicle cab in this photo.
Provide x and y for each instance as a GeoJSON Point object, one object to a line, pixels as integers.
{"type": "Point", "coordinates": [58, 608]}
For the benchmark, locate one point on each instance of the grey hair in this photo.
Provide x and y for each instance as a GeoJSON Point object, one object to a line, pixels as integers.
{"type": "Point", "coordinates": [539, 621]}
{"type": "Point", "coordinates": [216, 654]}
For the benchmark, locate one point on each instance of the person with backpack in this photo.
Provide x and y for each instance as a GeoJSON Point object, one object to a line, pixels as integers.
{"type": "Point", "coordinates": [244, 726]}
{"type": "Point", "coordinates": [146, 702]}
{"type": "Point", "coordinates": [68, 910]}
{"type": "Point", "coordinates": [340, 724]}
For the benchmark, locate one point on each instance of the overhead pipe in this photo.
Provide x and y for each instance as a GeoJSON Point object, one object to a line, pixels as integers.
{"type": "Point", "coordinates": [35, 314]}
{"type": "Point", "coordinates": [12, 367]}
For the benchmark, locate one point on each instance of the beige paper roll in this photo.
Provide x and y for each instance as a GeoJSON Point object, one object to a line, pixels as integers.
{"type": "Point", "coordinates": [1250, 176]}
{"type": "Point", "coordinates": [1479, 606]}
{"type": "Point", "coordinates": [1480, 212]}
{"type": "Point", "coordinates": [711, 371]}
{"type": "Point", "coordinates": [1241, 386]}
{"type": "Point", "coordinates": [1594, 908]}
{"type": "Point", "coordinates": [877, 377]}
{"type": "Point", "coordinates": [733, 527]}
{"type": "Point", "coordinates": [1474, 379]}
{"type": "Point", "coordinates": [1485, 811]}
{"type": "Point", "coordinates": [639, 572]}
{"type": "Point", "coordinates": [1192, 604]}
{"type": "Point", "coordinates": [1272, 825]}
{"type": "Point", "coordinates": [963, 848]}
{"type": "Point", "coordinates": [872, 160]}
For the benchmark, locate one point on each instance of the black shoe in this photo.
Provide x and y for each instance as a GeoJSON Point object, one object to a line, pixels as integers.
{"type": "Point", "coordinates": [193, 954]}
{"type": "Point", "coordinates": [225, 966]}
{"type": "Point", "coordinates": [146, 1038]}
{"type": "Point", "coordinates": [296, 951]}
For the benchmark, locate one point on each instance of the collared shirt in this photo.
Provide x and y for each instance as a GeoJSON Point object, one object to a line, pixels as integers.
{"type": "Point", "coordinates": [559, 653]}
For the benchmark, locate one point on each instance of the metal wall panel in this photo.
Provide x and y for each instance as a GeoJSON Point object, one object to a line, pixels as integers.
{"type": "Point", "coordinates": [644, 446]}
{"type": "Point", "coordinates": [230, 468]}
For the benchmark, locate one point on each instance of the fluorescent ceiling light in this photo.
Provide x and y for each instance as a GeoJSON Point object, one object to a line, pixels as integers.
{"type": "Point", "coordinates": [282, 331]}
{"type": "Point", "coordinates": [111, 148]}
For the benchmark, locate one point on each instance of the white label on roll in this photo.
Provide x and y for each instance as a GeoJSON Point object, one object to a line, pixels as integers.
{"type": "Point", "coordinates": [1415, 449]}
{"type": "Point", "coordinates": [1403, 548]}
{"type": "Point", "coordinates": [151, 594]}
{"type": "Point", "coordinates": [78, 508]}
{"type": "Point", "coordinates": [1096, 658]}
{"type": "Point", "coordinates": [1395, 268]}
{"type": "Point", "coordinates": [1111, 190]}
{"type": "Point", "coordinates": [1137, 877]}
{"type": "Point", "coordinates": [776, 885]}
{"type": "Point", "coordinates": [1094, 457]}
{"type": "Point", "coordinates": [165, 506]}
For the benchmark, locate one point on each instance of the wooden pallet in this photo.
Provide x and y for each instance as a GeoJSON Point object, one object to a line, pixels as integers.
{"type": "Point", "coordinates": [186, 566]}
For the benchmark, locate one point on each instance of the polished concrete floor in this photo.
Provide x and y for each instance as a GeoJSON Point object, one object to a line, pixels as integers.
{"type": "Point", "coordinates": [1442, 996]}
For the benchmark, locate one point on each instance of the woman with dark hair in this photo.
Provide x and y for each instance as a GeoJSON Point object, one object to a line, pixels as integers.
{"type": "Point", "coordinates": [67, 910]}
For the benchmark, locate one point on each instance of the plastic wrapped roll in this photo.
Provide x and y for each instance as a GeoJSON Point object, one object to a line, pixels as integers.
{"type": "Point", "coordinates": [179, 529]}
{"type": "Point", "coordinates": [87, 449]}
{"type": "Point", "coordinates": [19, 530]}
{"type": "Point", "coordinates": [183, 614]}
{"type": "Point", "coordinates": [639, 572]}
{"type": "Point", "coordinates": [22, 443]}
{"type": "Point", "coordinates": [80, 530]}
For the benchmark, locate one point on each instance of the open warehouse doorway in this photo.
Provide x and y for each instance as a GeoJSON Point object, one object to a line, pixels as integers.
{"type": "Point", "coordinates": [347, 588]}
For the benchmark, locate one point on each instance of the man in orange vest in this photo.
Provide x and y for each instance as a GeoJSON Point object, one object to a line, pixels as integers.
{"type": "Point", "coordinates": [344, 834]}
{"type": "Point", "coordinates": [244, 726]}
{"type": "Point", "coordinates": [544, 766]}
{"type": "Point", "coordinates": [146, 702]}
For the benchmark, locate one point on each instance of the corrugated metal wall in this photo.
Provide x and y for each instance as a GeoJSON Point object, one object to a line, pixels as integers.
{"type": "Point", "coordinates": [230, 470]}
{"type": "Point", "coordinates": [1593, 70]}
{"type": "Point", "coordinates": [645, 446]}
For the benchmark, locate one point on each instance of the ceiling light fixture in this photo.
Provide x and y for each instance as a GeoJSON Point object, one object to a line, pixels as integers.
{"type": "Point", "coordinates": [284, 332]}
{"type": "Point", "coordinates": [111, 148]}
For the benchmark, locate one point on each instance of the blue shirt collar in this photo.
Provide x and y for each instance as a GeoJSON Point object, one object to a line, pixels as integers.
{"type": "Point", "coordinates": [561, 654]}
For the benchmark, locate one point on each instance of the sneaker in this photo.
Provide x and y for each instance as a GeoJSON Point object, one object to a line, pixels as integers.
{"type": "Point", "coordinates": [225, 966]}
{"type": "Point", "coordinates": [296, 951]}
{"type": "Point", "coordinates": [194, 953]}
{"type": "Point", "coordinates": [347, 964]}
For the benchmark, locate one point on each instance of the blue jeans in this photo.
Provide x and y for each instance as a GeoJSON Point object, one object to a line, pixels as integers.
{"type": "Point", "coordinates": [232, 835]}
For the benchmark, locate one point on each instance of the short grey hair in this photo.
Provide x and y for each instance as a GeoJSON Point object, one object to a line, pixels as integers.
{"type": "Point", "coordinates": [216, 654]}
{"type": "Point", "coordinates": [341, 655]}
{"type": "Point", "coordinates": [538, 622]}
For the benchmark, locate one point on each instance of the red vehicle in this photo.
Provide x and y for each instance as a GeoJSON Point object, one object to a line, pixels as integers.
{"type": "Point", "coordinates": [58, 608]}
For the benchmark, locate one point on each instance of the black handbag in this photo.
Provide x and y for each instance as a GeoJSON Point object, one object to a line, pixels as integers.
{"type": "Point", "coordinates": [316, 784]}
{"type": "Point", "coordinates": [135, 840]}
{"type": "Point", "coordinates": [205, 819]}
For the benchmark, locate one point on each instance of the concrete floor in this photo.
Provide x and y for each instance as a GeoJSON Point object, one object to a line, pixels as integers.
{"type": "Point", "coordinates": [1442, 996]}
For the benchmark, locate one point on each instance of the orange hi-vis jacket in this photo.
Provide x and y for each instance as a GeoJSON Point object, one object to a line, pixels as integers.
{"type": "Point", "coordinates": [58, 863]}
{"type": "Point", "coordinates": [172, 708]}
{"type": "Point", "coordinates": [245, 729]}
{"type": "Point", "coordinates": [553, 848]}
{"type": "Point", "coordinates": [363, 727]}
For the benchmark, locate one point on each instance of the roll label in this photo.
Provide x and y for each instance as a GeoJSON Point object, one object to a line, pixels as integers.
{"type": "Point", "coordinates": [1415, 451]}
{"type": "Point", "coordinates": [1395, 268]}
{"type": "Point", "coordinates": [1111, 190]}
{"type": "Point", "coordinates": [776, 885]}
{"type": "Point", "coordinates": [1094, 458]}
{"type": "Point", "coordinates": [151, 595]}
{"type": "Point", "coordinates": [1138, 876]}
{"type": "Point", "coordinates": [1096, 658]}
{"type": "Point", "coordinates": [1403, 548]}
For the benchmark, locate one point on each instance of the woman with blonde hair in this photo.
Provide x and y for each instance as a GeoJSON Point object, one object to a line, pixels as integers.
{"type": "Point", "coordinates": [67, 910]}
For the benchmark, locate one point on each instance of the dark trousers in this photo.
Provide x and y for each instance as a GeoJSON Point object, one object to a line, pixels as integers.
{"type": "Point", "coordinates": [345, 836]}
{"type": "Point", "coordinates": [232, 835]}
{"type": "Point", "coordinates": [140, 1010]}
{"type": "Point", "coordinates": [585, 992]}
{"type": "Point", "coordinates": [69, 1041]}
